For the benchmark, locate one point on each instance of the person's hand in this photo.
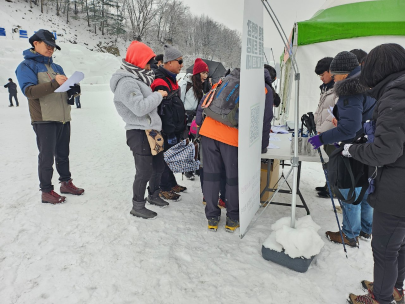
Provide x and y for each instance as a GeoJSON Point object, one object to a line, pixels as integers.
{"type": "Point", "coordinates": [315, 141]}
{"type": "Point", "coordinates": [60, 79]}
{"type": "Point", "coordinates": [334, 121]}
{"type": "Point", "coordinates": [163, 93]}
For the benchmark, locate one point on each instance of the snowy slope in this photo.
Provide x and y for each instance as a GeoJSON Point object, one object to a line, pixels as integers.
{"type": "Point", "coordinates": [91, 250]}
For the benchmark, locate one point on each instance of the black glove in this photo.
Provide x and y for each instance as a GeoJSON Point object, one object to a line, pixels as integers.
{"type": "Point", "coordinates": [72, 93]}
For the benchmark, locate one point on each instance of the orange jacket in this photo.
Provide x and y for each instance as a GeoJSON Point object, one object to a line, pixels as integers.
{"type": "Point", "coordinates": [218, 131]}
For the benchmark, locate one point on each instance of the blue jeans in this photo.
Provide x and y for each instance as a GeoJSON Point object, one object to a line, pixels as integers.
{"type": "Point", "coordinates": [356, 218]}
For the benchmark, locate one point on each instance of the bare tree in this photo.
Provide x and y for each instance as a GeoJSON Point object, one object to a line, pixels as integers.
{"type": "Point", "coordinates": [140, 14]}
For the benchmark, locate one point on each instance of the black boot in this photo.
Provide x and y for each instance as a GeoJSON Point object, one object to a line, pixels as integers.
{"type": "Point", "coordinates": [154, 199]}
{"type": "Point", "coordinates": [139, 210]}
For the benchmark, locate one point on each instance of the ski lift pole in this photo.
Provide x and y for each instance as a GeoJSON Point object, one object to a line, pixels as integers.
{"type": "Point", "coordinates": [295, 158]}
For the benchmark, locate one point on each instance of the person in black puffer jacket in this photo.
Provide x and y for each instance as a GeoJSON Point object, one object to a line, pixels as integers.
{"type": "Point", "coordinates": [384, 73]}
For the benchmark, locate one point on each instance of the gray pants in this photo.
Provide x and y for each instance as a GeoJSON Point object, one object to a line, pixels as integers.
{"type": "Point", "coordinates": [388, 245]}
{"type": "Point", "coordinates": [217, 158]}
{"type": "Point", "coordinates": [148, 168]}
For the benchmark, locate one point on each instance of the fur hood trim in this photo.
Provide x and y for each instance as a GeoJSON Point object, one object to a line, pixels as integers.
{"type": "Point", "coordinates": [350, 86]}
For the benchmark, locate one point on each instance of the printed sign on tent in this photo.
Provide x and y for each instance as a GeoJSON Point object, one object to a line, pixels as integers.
{"type": "Point", "coordinates": [251, 111]}
{"type": "Point", "coordinates": [2, 31]}
{"type": "Point", "coordinates": [23, 34]}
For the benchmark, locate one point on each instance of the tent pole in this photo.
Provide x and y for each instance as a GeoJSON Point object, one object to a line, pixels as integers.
{"type": "Point", "coordinates": [295, 159]}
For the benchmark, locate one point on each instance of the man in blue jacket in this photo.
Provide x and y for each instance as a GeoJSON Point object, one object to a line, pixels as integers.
{"type": "Point", "coordinates": [12, 91]}
{"type": "Point", "coordinates": [38, 78]}
{"type": "Point", "coordinates": [352, 110]}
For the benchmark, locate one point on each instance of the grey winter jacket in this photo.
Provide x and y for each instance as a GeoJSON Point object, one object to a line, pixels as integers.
{"type": "Point", "coordinates": [322, 117]}
{"type": "Point", "coordinates": [135, 101]}
{"type": "Point", "coordinates": [387, 150]}
{"type": "Point", "coordinates": [354, 109]}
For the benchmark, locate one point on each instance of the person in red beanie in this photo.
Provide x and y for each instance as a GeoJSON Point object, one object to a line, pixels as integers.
{"type": "Point", "coordinates": [137, 105]}
{"type": "Point", "coordinates": [191, 87]}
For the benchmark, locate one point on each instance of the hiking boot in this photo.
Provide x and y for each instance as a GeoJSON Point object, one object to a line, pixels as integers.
{"type": "Point", "coordinates": [189, 175]}
{"type": "Point", "coordinates": [336, 238]}
{"type": "Point", "coordinates": [221, 204]}
{"type": "Point", "coordinates": [213, 223]}
{"type": "Point", "coordinates": [204, 201]}
{"type": "Point", "coordinates": [365, 299]}
{"type": "Point", "coordinates": [68, 187]}
{"type": "Point", "coordinates": [231, 225]}
{"type": "Point", "coordinates": [179, 189]}
{"type": "Point", "coordinates": [169, 195]}
{"type": "Point", "coordinates": [398, 293]}
{"type": "Point", "coordinates": [139, 210]}
{"type": "Point", "coordinates": [365, 236]}
{"type": "Point", "coordinates": [52, 197]}
{"type": "Point", "coordinates": [154, 199]}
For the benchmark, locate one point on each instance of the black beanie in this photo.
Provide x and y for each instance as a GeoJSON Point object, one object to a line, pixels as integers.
{"type": "Point", "coordinates": [343, 63]}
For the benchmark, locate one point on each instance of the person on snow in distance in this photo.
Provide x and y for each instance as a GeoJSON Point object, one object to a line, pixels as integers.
{"type": "Point", "coordinates": [137, 105]}
{"type": "Point", "coordinates": [322, 116]}
{"type": "Point", "coordinates": [12, 91]}
{"type": "Point", "coordinates": [354, 108]}
{"type": "Point", "coordinates": [39, 77]}
{"type": "Point", "coordinates": [172, 114]}
{"type": "Point", "coordinates": [191, 88]}
{"type": "Point", "coordinates": [384, 72]}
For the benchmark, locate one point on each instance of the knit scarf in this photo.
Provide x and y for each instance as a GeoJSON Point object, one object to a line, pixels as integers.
{"type": "Point", "coordinates": [145, 76]}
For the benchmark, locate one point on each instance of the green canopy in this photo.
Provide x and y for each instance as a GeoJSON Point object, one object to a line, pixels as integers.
{"type": "Point", "coordinates": [369, 18]}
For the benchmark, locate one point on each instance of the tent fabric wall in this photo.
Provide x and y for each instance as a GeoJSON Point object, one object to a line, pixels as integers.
{"type": "Point", "coordinates": [369, 18]}
{"type": "Point", "coordinates": [307, 57]}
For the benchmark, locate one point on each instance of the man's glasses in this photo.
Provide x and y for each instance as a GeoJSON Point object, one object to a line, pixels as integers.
{"type": "Point", "coordinates": [179, 61]}
{"type": "Point", "coordinates": [51, 48]}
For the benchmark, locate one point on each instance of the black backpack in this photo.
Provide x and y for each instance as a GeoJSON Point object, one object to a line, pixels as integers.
{"type": "Point", "coordinates": [347, 173]}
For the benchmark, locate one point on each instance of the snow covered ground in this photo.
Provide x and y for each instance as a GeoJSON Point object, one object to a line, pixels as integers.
{"type": "Point", "coordinates": [91, 250]}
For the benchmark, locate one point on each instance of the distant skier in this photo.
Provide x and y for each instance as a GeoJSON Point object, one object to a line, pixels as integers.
{"type": "Point", "coordinates": [38, 78]}
{"type": "Point", "coordinates": [12, 90]}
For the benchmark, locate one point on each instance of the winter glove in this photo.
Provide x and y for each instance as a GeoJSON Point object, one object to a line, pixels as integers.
{"type": "Point", "coordinates": [72, 93]}
{"type": "Point", "coordinates": [369, 130]}
{"type": "Point", "coordinates": [315, 141]}
{"type": "Point", "coordinates": [172, 140]}
{"type": "Point", "coordinates": [345, 151]}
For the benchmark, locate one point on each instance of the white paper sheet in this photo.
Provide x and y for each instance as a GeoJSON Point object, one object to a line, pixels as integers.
{"type": "Point", "coordinates": [75, 78]}
{"type": "Point", "coordinates": [274, 138]}
{"type": "Point", "coordinates": [273, 146]}
{"type": "Point", "coordinates": [279, 129]}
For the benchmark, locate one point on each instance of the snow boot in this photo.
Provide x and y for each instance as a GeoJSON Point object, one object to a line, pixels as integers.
{"type": "Point", "coordinates": [68, 187]}
{"type": "Point", "coordinates": [169, 195]}
{"type": "Point", "coordinates": [213, 223]}
{"type": "Point", "coordinates": [52, 197]}
{"type": "Point", "coordinates": [231, 225]}
{"type": "Point", "coordinates": [139, 210]}
{"type": "Point", "coordinates": [398, 293]}
{"type": "Point", "coordinates": [336, 238]}
{"type": "Point", "coordinates": [190, 175]}
{"type": "Point", "coordinates": [179, 189]}
{"type": "Point", "coordinates": [221, 204]}
{"type": "Point", "coordinates": [365, 236]}
{"type": "Point", "coordinates": [154, 199]}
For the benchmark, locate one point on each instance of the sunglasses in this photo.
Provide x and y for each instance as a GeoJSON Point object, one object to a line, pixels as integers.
{"type": "Point", "coordinates": [179, 61]}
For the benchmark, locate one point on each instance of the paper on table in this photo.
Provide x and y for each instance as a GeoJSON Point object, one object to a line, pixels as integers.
{"type": "Point", "coordinates": [274, 138]}
{"type": "Point", "coordinates": [75, 78]}
{"type": "Point", "coordinates": [279, 129]}
{"type": "Point", "coordinates": [272, 146]}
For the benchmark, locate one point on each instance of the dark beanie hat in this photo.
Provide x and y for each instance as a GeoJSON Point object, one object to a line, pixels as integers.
{"type": "Point", "coordinates": [343, 63]}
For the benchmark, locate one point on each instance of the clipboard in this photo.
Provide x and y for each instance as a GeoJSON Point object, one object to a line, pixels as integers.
{"type": "Point", "coordinates": [75, 78]}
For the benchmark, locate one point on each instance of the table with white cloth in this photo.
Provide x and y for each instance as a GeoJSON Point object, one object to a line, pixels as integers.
{"type": "Point", "coordinates": [283, 153]}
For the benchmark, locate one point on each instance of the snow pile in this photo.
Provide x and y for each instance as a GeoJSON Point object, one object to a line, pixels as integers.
{"type": "Point", "coordinates": [303, 241]}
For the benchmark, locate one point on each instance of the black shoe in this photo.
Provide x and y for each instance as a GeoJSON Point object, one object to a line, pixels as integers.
{"type": "Point", "coordinates": [11, 106]}
{"type": "Point", "coordinates": [365, 236]}
{"type": "Point", "coordinates": [323, 194]}
{"type": "Point", "coordinates": [154, 199]}
{"type": "Point", "coordinates": [321, 188]}
{"type": "Point", "coordinates": [189, 175]}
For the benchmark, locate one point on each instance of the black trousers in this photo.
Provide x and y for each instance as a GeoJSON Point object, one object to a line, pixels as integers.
{"type": "Point", "coordinates": [149, 168]}
{"type": "Point", "coordinates": [217, 157]}
{"type": "Point", "coordinates": [53, 141]}
{"type": "Point", "coordinates": [388, 245]}
{"type": "Point", "coordinates": [223, 183]}
{"type": "Point", "coordinates": [11, 98]}
{"type": "Point", "coordinates": [168, 180]}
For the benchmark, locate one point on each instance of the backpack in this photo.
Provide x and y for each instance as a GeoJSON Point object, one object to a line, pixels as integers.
{"type": "Point", "coordinates": [222, 101]}
{"type": "Point", "coordinates": [347, 173]}
{"type": "Point", "coordinates": [182, 157]}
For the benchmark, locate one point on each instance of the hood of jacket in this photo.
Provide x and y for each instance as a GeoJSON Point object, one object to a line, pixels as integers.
{"type": "Point", "coordinates": [118, 75]}
{"type": "Point", "coordinates": [32, 55]}
{"type": "Point", "coordinates": [351, 85]}
{"type": "Point", "coordinates": [267, 77]}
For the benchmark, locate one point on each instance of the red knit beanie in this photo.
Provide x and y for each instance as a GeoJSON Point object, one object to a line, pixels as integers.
{"type": "Point", "coordinates": [199, 66]}
{"type": "Point", "coordinates": [139, 54]}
